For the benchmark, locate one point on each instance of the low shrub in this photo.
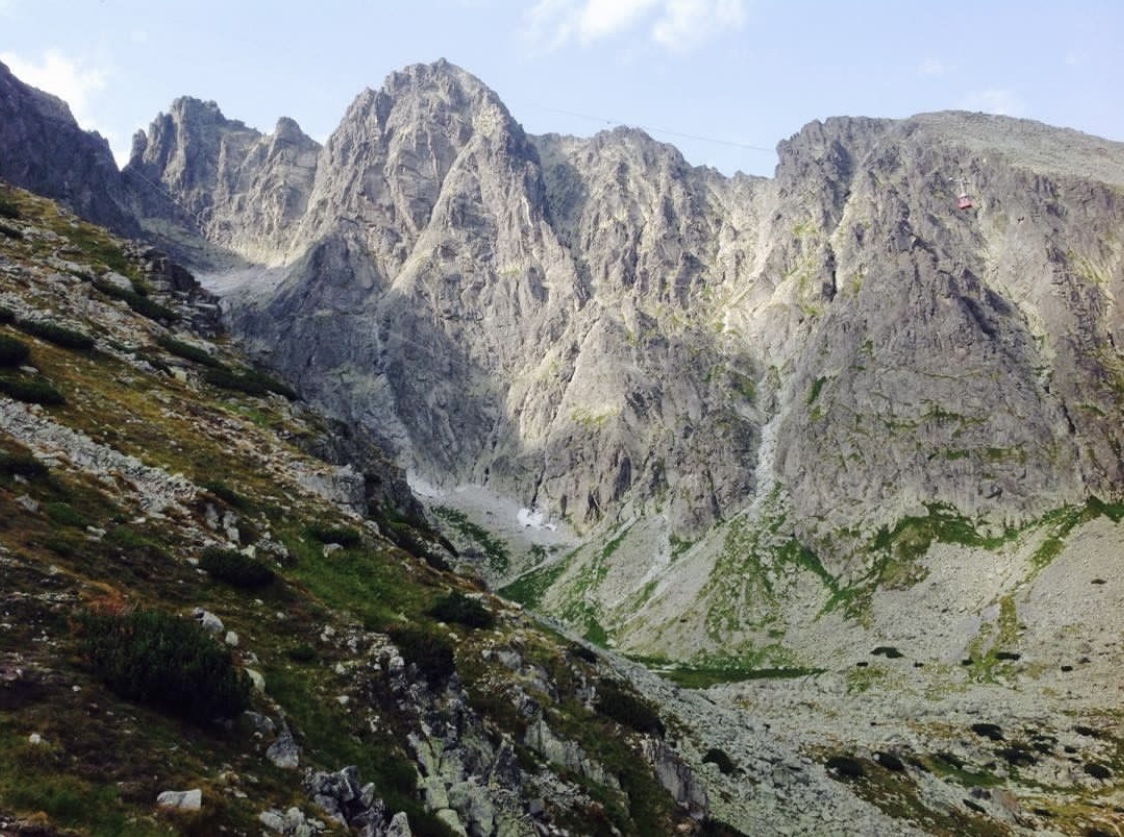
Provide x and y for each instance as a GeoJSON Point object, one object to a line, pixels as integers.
{"type": "Point", "coordinates": [887, 651]}
{"type": "Point", "coordinates": [228, 495]}
{"type": "Point", "coordinates": [11, 232]}
{"type": "Point", "coordinates": [890, 761]}
{"type": "Point", "coordinates": [248, 382]}
{"type": "Point", "coordinates": [845, 767]}
{"type": "Point", "coordinates": [65, 514]}
{"type": "Point", "coordinates": [459, 608]}
{"type": "Point", "coordinates": [628, 709]}
{"type": "Point", "coordinates": [138, 302]}
{"type": "Point", "coordinates": [13, 352]}
{"type": "Point", "coordinates": [583, 653]}
{"type": "Point", "coordinates": [717, 828]}
{"type": "Point", "coordinates": [189, 352]}
{"type": "Point", "coordinates": [31, 391]}
{"type": "Point", "coordinates": [1098, 771]}
{"type": "Point", "coordinates": [343, 535]}
{"type": "Point", "coordinates": [158, 659]}
{"type": "Point", "coordinates": [407, 537]}
{"type": "Point", "coordinates": [66, 338]}
{"type": "Point", "coordinates": [430, 653]}
{"type": "Point", "coordinates": [1017, 756]}
{"type": "Point", "coordinates": [721, 759]}
{"type": "Point", "coordinates": [303, 653]}
{"type": "Point", "coordinates": [21, 465]}
{"type": "Point", "coordinates": [9, 208]}
{"type": "Point", "coordinates": [991, 731]}
{"type": "Point", "coordinates": [234, 568]}
{"type": "Point", "coordinates": [7, 316]}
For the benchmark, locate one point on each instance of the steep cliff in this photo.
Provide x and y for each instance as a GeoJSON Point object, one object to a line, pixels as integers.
{"type": "Point", "coordinates": [45, 150]}
{"type": "Point", "coordinates": [445, 291]}
{"type": "Point", "coordinates": [964, 358]}
{"type": "Point", "coordinates": [829, 444]}
{"type": "Point", "coordinates": [599, 331]}
{"type": "Point", "coordinates": [220, 179]}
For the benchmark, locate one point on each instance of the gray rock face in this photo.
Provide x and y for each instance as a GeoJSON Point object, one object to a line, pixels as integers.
{"type": "Point", "coordinates": [284, 752]}
{"type": "Point", "coordinates": [507, 311]}
{"type": "Point", "coordinates": [44, 151]}
{"type": "Point", "coordinates": [220, 178]}
{"type": "Point", "coordinates": [601, 331]}
{"type": "Point", "coordinates": [948, 362]}
{"type": "Point", "coordinates": [191, 800]}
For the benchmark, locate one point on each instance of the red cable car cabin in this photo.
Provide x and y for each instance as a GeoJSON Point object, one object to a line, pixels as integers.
{"type": "Point", "coordinates": [964, 202]}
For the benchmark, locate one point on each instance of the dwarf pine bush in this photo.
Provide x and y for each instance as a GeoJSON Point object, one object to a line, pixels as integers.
{"type": "Point", "coordinates": [13, 352]}
{"type": "Point", "coordinates": [156, 658]}
{"type": "Point", "coordinates": [459, 608]}
{"type": "Point", "coordinates": [234, 568]}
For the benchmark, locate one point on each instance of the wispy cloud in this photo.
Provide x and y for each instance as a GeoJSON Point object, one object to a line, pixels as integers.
{"type": "Point", "coordinates": [676, 25]}
{"type": "Point", "coordinates": [686, 24]}
{"type": "Point", "coordinates": [1001, 102]}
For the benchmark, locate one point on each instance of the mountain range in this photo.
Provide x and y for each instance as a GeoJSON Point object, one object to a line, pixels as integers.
{"type": "Point", "coordinates": [735, 424]}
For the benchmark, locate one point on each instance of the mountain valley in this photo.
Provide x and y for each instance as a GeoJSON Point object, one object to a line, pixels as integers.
{"type": "Point", "coordinates": [599, 494]}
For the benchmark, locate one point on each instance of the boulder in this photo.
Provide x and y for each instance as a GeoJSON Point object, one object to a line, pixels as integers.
{"type": "Point", "coordinates": [189, 800]}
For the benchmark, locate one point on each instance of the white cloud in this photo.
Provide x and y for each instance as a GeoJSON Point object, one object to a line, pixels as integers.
{"type": "Point", "coordinates": [686, 24]}
{"type": "Point", "coordinates": [1001, 102]}
{"type": "Point", "coordinates": [677, 25]}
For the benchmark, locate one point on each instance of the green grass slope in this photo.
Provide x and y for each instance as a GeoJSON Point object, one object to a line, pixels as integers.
{"type": "Point", "coordinates": [151, 482]}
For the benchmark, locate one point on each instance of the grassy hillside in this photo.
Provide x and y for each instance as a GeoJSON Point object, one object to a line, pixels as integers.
{"type": "Point", "coordinates": [152, 485]}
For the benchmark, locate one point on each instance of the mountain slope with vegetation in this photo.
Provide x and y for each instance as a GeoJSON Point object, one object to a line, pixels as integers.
{"type": "Point", "coordinates": [839, 460]}
{"type": "Point", "coordinates": [192, 601]}
{"type": "Point", "coordinates": [205, 628]}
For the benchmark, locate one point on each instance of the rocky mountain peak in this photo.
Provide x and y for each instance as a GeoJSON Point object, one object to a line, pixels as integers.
{"type": "Point", "coordinates": [183, 147]}
{"type": "Point", "coordinates": [760, 425]}
{"type": "Point", "coordinates": [288, 130]}
{"type": "Point", "coordinates": [422, 95]}
{"type": "Point", "coordinates": [45, 150]}
{"type": "Point", "coordinates": [212, 174]}
{"type": "Point", "coordinates": [46, 105]}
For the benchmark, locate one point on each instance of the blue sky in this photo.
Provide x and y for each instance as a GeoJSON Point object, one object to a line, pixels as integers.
{"type": "Point", "coordinates": [724, 80]}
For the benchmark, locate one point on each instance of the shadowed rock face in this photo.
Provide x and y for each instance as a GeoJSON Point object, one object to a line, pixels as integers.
{"type": "Point", "coordinates": [46, 152]}
{"type": "Point", "coordinates": [594, 326]}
